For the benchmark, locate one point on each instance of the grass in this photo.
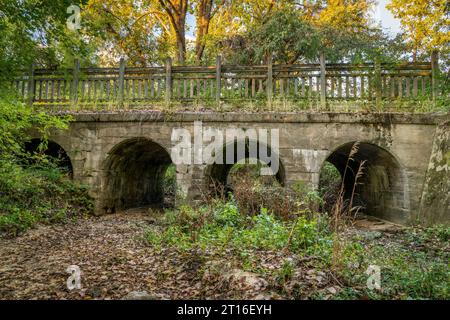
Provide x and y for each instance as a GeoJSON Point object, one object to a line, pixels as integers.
{"type": "Point", "coordinates": [230, 103]}
{"type": "Point", "coordinates": [413, 263]}
{"type": "Point", "coordinates": [409, 269]}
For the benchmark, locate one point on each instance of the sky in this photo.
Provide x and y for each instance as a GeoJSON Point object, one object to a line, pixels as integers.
{"type": "Point", "coordinates": [383, 15]}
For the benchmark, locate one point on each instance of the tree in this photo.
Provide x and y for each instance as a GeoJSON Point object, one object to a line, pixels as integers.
{"type": "Point", "coordinates": [298, 31]}
{"type": "Point", "coordinates": [205, 12]}
{"type": "Point", "coordinates": [121, 28]}
{"type": "Point", "coordinates": [145, 32]}
{"type": "Point", "coordinates": [285, 35]}
{"type": "Point", "coordinates": [425, 23]}
{"type": "Point", "coordinates": [176, 11]}
{"type": "Point", "coordinates": [345, 27]}
{"type": "Point", "coordinates": [152, 26]}
{"type": "Point", "coordinates": [35, 31]}
{"type": "Point", "coordinates": [352, 16]}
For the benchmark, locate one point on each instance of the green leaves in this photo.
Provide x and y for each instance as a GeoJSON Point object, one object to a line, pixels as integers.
{"type": "Point", "coordinates": [34, 31]}
{"type": "Point", "coordinates": [224, 226]}
{"type": "Point", "coordinates": [287, 36]}
{"type": "Point", "coordinates": [37, 194]}
{"type": "Point", "coordinates": [16, 118]}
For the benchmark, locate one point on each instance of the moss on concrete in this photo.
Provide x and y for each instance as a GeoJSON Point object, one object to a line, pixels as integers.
{"type": "Point", "coordinates": [435, 205]}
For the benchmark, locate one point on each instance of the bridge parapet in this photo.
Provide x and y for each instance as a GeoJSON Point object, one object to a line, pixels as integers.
{"type": "Point", "coordinates": [321, 86]}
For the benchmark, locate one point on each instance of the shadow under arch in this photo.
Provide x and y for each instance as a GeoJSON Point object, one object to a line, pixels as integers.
{"type": "Point", "coordinates": [216, 174]}
{"type": "Point", "coordinates": [383, 189]}
{"type": "Point", "coordinates": [134, 174]}
{"type": "Point", "coordinates": [53, 150]}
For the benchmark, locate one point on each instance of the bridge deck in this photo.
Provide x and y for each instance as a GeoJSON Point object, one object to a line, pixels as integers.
{"type": "Point", "coordinates": [263, 117]}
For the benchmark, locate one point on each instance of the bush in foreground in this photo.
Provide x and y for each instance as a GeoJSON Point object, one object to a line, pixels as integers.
{"type": "Point", "coordinates": [37, 193]}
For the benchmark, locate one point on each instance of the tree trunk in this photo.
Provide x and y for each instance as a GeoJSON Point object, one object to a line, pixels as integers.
{"type": "Point", "coordinates": [181, 41]}
{"type": "Point", "coordinates": [204, 16]}
{"type": "Point", "coordinates": [176, 11]}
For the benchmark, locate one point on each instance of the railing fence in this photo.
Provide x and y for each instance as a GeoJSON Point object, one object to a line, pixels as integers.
{"type": "Point", "coordinates": [125, 86]}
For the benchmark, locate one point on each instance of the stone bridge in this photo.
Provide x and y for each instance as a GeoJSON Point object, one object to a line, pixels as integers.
{"type": "Point", "coordinates": [122, 156]}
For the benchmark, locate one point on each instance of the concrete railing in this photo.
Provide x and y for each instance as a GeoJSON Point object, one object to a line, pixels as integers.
{"type": "Point", "coordinates": [130, 87]}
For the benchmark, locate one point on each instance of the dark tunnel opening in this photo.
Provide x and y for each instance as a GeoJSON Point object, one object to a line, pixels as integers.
{"type": "Point", "coordinates": [139, 173]}
{"type": "Point", "coordinates": [53, 150]}
{"type": "Point", "coordinates": [221, 175]}
{"type": "Point", "coordinates": [380, 191]}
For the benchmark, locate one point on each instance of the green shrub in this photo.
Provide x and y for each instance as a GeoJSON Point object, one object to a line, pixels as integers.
{"type": "Point", "coordinates": [169, 185]}
{"type": "Point", "coordinates": [284, 274]}
{"type": "Point", "coordinates": [32, 187]}
{"type": "Point", "coordinates": [405, 272]}
{"type": "Point", "coordinates": [310, 235]}
{"type": "Point", "coordinates": [29, 195]}
{"type": "Point", "coordinates": [153, 237]}
{"type": "Point", "coordinates": [266, 232]}
{"type": "Point", "coordinates": [222, 224]}
{"type": "Point", "coordinates": [227, 214]}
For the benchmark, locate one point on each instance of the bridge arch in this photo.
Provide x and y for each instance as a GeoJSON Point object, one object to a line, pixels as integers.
{"type": "Point", "coordinates": [216, 174]}
{"type": "Point", "coordinates": [382, 190]}
{"type": "Point", "coordinates": [54, 150]}
{"type": "Point", "coordinates": [134, 173]}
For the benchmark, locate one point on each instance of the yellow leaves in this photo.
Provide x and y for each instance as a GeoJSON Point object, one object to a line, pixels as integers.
{"type": "Point", "coordinates": [149, 30]}
{"type": "Point", "coordinates": [124, 28]}
{"type": "Point", "coordinates": [426, 23]}
{"type": "Point", "coordinates": [345, 14]}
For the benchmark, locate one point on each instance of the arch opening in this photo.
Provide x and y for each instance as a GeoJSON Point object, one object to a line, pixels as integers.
{"type": "Point", "coordinates": [54, 151]}
{"type": "Point", "coordinates": [139, 173]}
{"type": "Point", "coordinates": [222, 176]}
{"type": "Point", "coordinates": [379, 191]}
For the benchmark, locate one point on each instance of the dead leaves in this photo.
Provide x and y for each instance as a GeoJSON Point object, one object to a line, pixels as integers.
{"type": "Point", "coordinates": [115, 261]}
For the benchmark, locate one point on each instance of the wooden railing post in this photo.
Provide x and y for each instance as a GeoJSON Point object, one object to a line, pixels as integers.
{"type": "Point", "coordinates": [434, 74]}
{"type": "Point", "coordinates": [218, 79]}
{"type": "Point", "coordinates": [76, 75]}
{"type": "Point", "coordinates": [31, 85]}
{"type": "Point", "coordinates": [378, 88]}
{"type": "Point", "coordinates": [323, 81]}
{"type": "Point", "coordinates": [121, 84]}
{"type": "Point", "coordinates": [168, 94]}
{"type": "Point", "coordinates": [269, 86]}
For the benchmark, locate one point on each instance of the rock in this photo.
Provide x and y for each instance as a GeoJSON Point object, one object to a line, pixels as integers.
{"type": "Point", "coordinates": [372, 224]}
{"type": "Point", "coordinates": [353, 265]}
{"type": "Point", "coordinates": [316, 276]}
{"type": "Point", "coordinates": [243, 280]}
{"type": "Point", "coordinates": [311, 272]}
{"type": "Point", "coordinates": [332, 290]}
{"type": "Point", "coordinates": [372, 235]}
{"type": "Point", "coordinates": [235, 281]}
{"type": "Point", "coordinates": [140, 295]}
{"type": "Point", "coordinates": [267, 296]}
{"type": "Point", "coordinates": [290, 260]}
{"type": "Point", "coordinates": [95, 292]}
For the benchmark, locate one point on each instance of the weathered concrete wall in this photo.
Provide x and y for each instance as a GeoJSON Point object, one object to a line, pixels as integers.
{"type": "Point", "coordinates": [435, 201]}
{"type": "Point", "coordinates": [306, 141]}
